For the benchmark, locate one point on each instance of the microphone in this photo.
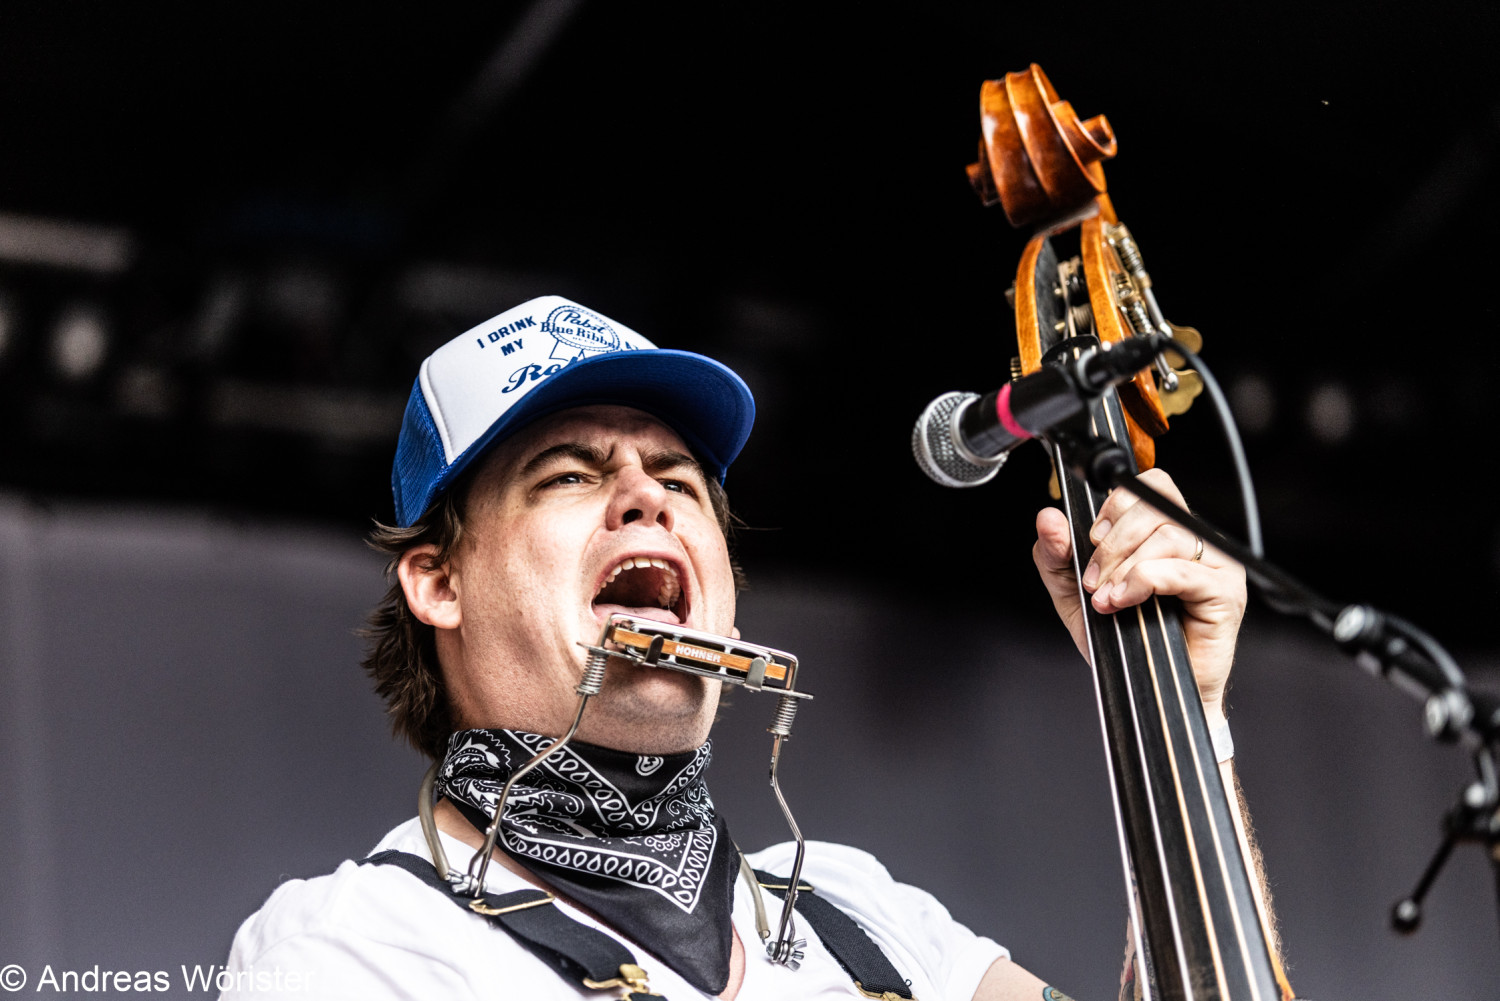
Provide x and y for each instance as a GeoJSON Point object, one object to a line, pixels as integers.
{"type": "Point", "coordinates": [962, 440]}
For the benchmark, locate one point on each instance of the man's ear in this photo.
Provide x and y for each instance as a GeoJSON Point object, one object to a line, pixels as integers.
{"type": "Point", "coordinates": [430, 593]}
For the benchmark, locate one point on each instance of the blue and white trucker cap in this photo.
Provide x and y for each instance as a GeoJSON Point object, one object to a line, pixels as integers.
{"type": "Point", "coordinates": [547, 355]}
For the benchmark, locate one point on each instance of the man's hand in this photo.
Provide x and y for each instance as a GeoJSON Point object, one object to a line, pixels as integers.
{"type": "Point", "coordinates": [1140, 553]}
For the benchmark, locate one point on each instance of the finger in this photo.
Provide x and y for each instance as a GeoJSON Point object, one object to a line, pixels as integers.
{"type": "Point", "coordinates": [1053, 552]}
{"type": "Point", "coordinates": [1168, 541]}
{"type": "Point", "coordinates": [1121, 500]}
{"type": "Point", "coordinates": [1213, 600]}
{"type": "Point", "coordinates": [1209, 594]}
{"type": "Point", "coordinates": [1055, 537]}
{"type": "Point", "coordinates": [1134, 527]}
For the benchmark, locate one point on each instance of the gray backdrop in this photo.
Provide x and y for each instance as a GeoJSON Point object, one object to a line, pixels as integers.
{"type": "Point", "coordinates": [185, 725]}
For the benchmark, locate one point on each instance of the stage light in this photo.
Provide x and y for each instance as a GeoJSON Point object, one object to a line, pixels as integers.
{"type": "Point", "coordinates": [9, 325]}
{"type": "Point", "coordinates": [75, 246]}
{"type": "Point", "coordinates": [1330, 413]}
{"type": "Point", "coordinates": [80, 342]}
{"type": "Point", "coordinates": [1254, 404]}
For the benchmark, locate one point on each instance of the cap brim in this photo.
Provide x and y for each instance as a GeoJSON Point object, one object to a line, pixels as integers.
{"type": "Point", "coordinates": [705, 402]}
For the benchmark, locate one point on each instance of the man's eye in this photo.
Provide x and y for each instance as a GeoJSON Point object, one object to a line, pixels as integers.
{"type": "Point", "coordinates": [679, 486]}
{"type": "Point", "coordinates": [564, 480]}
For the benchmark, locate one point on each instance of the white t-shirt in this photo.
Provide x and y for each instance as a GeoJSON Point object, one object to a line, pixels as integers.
{"type": "Point", "coordinates": [374, 931]}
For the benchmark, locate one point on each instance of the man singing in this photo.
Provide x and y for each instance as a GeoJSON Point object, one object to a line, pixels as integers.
{"type": "Point", "coordinates": [555, 467]}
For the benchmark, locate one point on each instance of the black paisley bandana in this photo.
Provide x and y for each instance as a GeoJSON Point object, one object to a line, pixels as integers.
{"type": "Point", "coordinates": [632, 837]}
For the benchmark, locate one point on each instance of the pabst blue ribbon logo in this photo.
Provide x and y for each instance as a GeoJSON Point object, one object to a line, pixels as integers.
{"type": "Point", "coordinates": [579, 333]}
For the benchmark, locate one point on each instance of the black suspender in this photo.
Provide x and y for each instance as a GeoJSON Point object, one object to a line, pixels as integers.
{"type": "Point", "coordinates": [584, 954]}
{"type": "Point", "coordinates": [580, 953]}
{"type": "Point", "coordinates": [847, 942]}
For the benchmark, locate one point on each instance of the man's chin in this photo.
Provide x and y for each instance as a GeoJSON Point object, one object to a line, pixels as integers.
{"type": "Point", "coordinates": [649, 710]}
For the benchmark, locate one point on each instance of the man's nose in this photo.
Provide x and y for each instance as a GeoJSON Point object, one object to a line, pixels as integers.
{"type": "Point", "coordinates": [638, 496]}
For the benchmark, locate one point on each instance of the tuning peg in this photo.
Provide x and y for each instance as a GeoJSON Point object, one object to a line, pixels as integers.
{"type": "Point", "coordinates": [1189, 385]}
{"type": "Point", "coordinates": [1190, 339]}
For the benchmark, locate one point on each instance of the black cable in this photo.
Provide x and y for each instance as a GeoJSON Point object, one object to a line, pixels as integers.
{"type": "Point", "coordinates": [1440, 657]}
{"type": "Point", "coordinates": [1280, 589]}
{"type": "Point", "coordinates": [1236, 447]}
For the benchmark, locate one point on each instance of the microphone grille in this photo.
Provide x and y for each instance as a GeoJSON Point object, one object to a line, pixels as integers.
{"type": "Point", "coordinates": [932, 444]}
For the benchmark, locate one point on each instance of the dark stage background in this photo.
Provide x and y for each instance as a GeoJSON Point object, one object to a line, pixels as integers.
{"type": "Point", "coordinates": [228, 235]}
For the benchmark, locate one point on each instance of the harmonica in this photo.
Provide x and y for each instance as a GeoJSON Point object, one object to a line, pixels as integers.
{"type": "Point", "coordinates": [651, 643]}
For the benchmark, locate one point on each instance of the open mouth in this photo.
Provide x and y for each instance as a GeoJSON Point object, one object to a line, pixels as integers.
{"type": "Point", "coordinates": [645, 586]}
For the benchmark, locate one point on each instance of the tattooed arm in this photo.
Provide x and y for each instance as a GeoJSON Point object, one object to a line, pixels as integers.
{"type": "Point", "coordinates": [1005, 981]}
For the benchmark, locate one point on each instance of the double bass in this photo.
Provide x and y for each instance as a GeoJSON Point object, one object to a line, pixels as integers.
{"type": "Point", "coordinates": [1195, 915]}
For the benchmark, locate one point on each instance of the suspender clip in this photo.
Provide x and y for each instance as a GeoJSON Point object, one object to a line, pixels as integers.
{"type": "Point", "coordinates": [631, 977]}
{"type": "Point", "coordinates": [887, 996]}
{"type": "Point", "coordinates": [801, 888]}
{"type": "Point", "coordinates": [478, 906]}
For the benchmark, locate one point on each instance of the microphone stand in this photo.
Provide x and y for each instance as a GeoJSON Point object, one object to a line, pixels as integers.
{"type": "Point", "coordinates": [1380, 642]}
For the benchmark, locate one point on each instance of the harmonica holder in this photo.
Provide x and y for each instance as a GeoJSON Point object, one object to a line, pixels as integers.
{"type": "Point", "coordinates": [755, 668]}
{"type": "Point", "coordinates": [650, 643]}
{"type": "Point", "coordinates": [472, 881]}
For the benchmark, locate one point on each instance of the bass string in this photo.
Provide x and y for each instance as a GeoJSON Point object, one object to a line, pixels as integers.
{"type": "Point", "coordinates": [1204, 769]}
{"type": "Point", "coordinates": [1204, 784]}
{"type": "Point", "coordinates": [1105, 412]}
{"type": "Point", "coordinates": [1092, 501]}
{"type": "Point", "coordinates": [1219, 855]}
{"type": "Point", "coordinates": [1107, 420]}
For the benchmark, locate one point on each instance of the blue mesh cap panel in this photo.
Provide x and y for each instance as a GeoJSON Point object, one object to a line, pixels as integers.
{"type": "Point", "coordinates": [419, 460]}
